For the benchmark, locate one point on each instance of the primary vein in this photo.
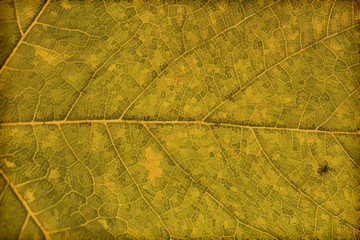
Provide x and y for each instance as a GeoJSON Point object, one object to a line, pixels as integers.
{"type": "Point", "coordinates": [172, 122]}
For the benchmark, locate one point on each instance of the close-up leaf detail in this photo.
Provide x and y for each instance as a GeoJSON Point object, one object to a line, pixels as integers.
{"type": "Point", "coordinates": [180, 119]}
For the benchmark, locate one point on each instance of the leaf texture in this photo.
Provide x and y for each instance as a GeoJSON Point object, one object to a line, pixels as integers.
{"type": "Point", "coordinates": [180, 119]}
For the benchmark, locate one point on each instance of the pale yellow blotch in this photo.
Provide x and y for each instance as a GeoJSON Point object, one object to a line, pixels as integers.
{"type": "Point", "coordinates": [65, 4]}
{"type": "Point", "coordinates": [8, 164]}
{"type": "Point", "coordinates": [193, 84]}
{"type": "Point", "coordinates": [54, 14]}
{"type": "Point", "coordinates": [54, 174]}
{"type": "Point", "coordinates": [92, 58]}
{"type": "Point", "coordinates": [151, 162]}
{"type": "Point", "coordinates": [29, 13]}
{"type": "Point", "coordinates": [65, 56]}
{"type": "Point", "coordinates": [104, 223]}
{"type": "Point", "coordinates": [50, 57]}
{"type": "Point", "coordinates": [187, 108]}
{"type": "Point", "coordinates": [161, 11]}
{"type": "Point", "coordinates": [212, 19]}
{"type": "Point", "coordinates": [288, 99]}
{"type": "Point", "coordinates": [51, 140]}
{"type": "Point", "coordinates": [233, 189]}
{"type": "Point", "coordinates": [335, 46]}
{"type": "Point", "coordinates": [112, 67]}
{"type": "Point", "coordinates": [29, 196]}
{"type": "Point", "coordinates": [166, 104]}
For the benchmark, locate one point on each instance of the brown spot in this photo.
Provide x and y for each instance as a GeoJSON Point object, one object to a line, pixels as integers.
{"type": "Point", "coordinates": [151, 162]}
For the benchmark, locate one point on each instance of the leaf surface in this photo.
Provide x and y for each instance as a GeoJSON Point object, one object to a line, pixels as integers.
{"type": "Point", "coordinates": [196, 119]}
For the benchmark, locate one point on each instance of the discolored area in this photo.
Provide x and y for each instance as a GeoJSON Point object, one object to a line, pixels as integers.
{"type": "Point", "coordinates": [9, 29]}
{"type": "Point", "coordinates": [180, 119]}
{"type": "Point", "coordinates": [16, 17]}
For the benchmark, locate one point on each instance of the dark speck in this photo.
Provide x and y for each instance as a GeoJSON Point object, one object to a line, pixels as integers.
{"type": "Point", "coordinates": [324, 169]}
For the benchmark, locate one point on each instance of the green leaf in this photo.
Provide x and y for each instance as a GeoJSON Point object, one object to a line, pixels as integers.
{"type": "Point", "coordinates": [190, 119]}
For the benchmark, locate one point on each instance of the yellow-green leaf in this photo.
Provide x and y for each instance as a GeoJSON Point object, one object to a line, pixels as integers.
{"type": "Point", "coordinates": [180, 119]}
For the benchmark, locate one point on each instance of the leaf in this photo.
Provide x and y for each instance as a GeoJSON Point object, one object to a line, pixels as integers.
{"type": "Point", "coordinates": [196, 119]}
{"type": "Point", "coordinates": [16, 18]}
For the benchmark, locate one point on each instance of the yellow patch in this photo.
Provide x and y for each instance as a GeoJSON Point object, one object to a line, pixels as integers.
{"type": "Point", "coordinates": [166, 104]}
{"type": "Point", "coordinates": [54, 14]}
{"type": "Point", "coordinates": [151, 162]}
{"type": "Point", "coordinates": [29, 196]}
{"type": "Point", "coordinates": [112, 67]}
{"type": "Point", "coordinates": [29, 13]}
{"type": "Point", "coordinates": [92, 58]}
{"type": "Point", "coordinates": [8, 164]}
{"type": "Point", "coordinates": [104, 223]}
{"type": "Point", "coordinates": [288, 99]}
{"type": "Point", "coordinates": [48, 56]}
{"type": "Point", "coordinates": [65, 4]}
{"type": "Point", "coordinates": [54, 174]}
{"type": "Point", "coordinates": [187, 108]}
